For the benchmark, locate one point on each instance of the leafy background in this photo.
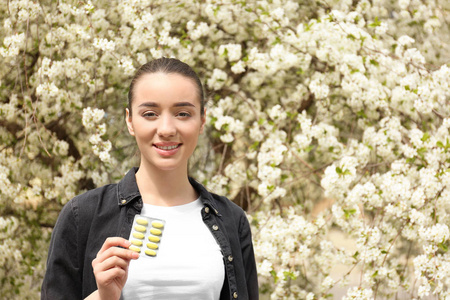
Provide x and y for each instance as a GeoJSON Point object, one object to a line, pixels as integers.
{"type": "Point", "coordinates": [327, 122]}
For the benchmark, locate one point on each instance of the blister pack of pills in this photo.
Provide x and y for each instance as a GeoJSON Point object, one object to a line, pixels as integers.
{"type": "Point", "coordinates": [145, 235]}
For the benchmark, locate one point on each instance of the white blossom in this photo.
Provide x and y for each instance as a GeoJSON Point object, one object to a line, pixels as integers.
{"type": "Point", "coordinates": [104, 44]}
{"type": "Point", "coordinates": [12, 44]}
{"type": "Point", "coordinates": [217, 79]}
{"type": "Point", "coordinates": [328, 123]}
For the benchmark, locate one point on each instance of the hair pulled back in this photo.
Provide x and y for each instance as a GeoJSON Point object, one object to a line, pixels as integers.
{"type": "Point", "coordinates": [168, 66]}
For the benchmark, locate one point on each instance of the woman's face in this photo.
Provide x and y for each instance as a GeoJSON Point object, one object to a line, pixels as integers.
{"type": "Point", "coordinates": [166, 120]}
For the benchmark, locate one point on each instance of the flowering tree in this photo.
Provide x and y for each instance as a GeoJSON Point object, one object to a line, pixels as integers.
{"type": "Point", "coordinates": [325, 117]}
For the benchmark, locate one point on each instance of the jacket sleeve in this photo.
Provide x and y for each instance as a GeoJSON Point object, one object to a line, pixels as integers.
{"type": "Point", "coordinates": [62, 279]}
{"type": "Point", "coordinates": [248, 256]}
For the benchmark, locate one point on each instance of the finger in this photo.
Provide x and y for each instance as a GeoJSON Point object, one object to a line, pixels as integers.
{"type": "Point", "coordinates": [110, 263]}
{"type": "Point", "coordinates": [116, 251]}
{"type": "Point", "coordinates": [106, 277]}
{"type": "Point", "coordinates": [114, 242]}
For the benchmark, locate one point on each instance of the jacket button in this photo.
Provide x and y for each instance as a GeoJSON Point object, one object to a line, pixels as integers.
{"type": "Point", "coordinates": [235, 295]}
{"type": "Point", "coordinates": [123, 201]}
{"type": "Point", "coordinates": [207, 209]}
{"type": "Point", "coordinates": [230, 258]}
{"type": "Point", "coordinates": [215, 227]}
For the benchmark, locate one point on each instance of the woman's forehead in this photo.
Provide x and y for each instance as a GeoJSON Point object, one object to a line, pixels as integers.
{"type": "Point", "coordinates": [160, 88]}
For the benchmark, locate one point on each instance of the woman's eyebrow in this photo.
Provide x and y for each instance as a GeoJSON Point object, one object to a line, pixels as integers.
{"type": "Point", "coordinates": [178, 104]}
{"type": "Point", "coordinates": [148, 104]}
{"type": "Point", "coordinates": [154, 104]}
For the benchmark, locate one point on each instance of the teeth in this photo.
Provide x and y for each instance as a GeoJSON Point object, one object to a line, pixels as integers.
{"type": "Point", "coordinates": [167, 147]}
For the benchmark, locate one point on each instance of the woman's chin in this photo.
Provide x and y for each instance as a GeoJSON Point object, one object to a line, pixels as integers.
{"type": "Point", "coordinates": [168, 166]}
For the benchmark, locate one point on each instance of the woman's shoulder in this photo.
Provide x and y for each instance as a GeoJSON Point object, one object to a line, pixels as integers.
{"type": "Point", "coordinates": [126, 187]}
{"type": "Point", "coordinates": [85, 206]}
{"type": "Point", "coordinates": [217, 201]}
{"type": "Point", "coordinates": [82, 209]}
{"type": "Point", "coordinates": [223, 201]}
{"type": "Point", "coordinates": [96, 195]}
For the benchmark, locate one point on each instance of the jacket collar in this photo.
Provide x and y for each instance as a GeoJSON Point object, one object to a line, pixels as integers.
{"type": "Point", "coordinates": [127, 188]}
{"type": "Point", "coordinates": [127, 191]}
{"type": "Point", "coordinates": [205, 196]}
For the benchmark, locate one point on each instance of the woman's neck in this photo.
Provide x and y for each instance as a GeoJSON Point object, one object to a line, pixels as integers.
{"type": "Point", "coordinates": [164, 188]}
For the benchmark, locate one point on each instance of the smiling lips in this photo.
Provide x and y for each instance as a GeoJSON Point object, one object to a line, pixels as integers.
{"type": "Point", "coordinates": [167, 149]}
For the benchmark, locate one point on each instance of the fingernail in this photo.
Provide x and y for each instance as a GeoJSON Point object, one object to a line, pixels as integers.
{"type": "Point", "coordinates": [135, 255]}
{"type": "Point", "coordinates": [127, 243]}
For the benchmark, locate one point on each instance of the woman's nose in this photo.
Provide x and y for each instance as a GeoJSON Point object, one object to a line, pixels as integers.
{"type": "Point", "coordinates": [166, 126]}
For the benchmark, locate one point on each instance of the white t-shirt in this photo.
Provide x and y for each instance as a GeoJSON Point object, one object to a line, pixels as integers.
{"type": "Point", "coordinates": [189, 263]}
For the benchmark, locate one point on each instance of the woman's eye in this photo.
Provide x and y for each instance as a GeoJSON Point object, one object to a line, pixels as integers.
{"type": "Point", "coordinates": [149, 114]}
{"type": "Point", "coordinates": [184, 114]}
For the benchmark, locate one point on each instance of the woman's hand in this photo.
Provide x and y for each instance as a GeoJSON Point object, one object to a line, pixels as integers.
{"type": "Point", "coordinates": [111, 267]}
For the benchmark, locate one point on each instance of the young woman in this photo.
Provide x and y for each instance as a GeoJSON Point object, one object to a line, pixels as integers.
{"type": "Point", "coordinates": [206, 251]}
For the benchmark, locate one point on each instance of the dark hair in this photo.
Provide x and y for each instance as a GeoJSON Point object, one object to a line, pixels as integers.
{"type": "Point", "coordinates": [168, 65]}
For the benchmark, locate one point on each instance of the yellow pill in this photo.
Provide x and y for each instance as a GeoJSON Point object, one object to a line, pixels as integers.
{"type": "Point", "coordinates": [152, 246]}
{"type": "Point", "coordinates": [141, 221]}
{"type": "Point", "coordinates": [157, 224]}
{"type": "Point", "coordinates": [136, 242]}
{"type": "Point", "coordinates": [155, 231]}
{"type": "Point", "coordinates": [138, 235]}
{"type": "Point", "coordinates": [154, 239]}
{"type": "Point", "coordinates": [150, 252]}
{"type": "Point", "coordinates": [134, 248]}
{"type": "Point", "coordinates": [140, 228]}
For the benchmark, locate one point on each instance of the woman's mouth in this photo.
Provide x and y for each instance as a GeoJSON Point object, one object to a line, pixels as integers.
{"type": "Point", "coordinates": [167, 149]}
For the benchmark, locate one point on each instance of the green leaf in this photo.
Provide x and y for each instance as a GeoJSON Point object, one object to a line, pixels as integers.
{"type": "Point", "coordinates": [425, 137]}
{"type": "Point", "coordinates": [308, 27]}
{"type": "Point", "coordinates": [349, 212]}
{"type": "Point", "coordinates": [216, 10]}
{"type": "Point", "coordinates": [309, 148]}
{"type": "Point", "coordinates": [225, 52]}
{"type": "Point", "coordinates": [289, 275]}
{"type": "Point", "coordinates": [443, 247]}
{"type": "Point", "coordinates": [277, 41]}
{"type": "Point", "coordinates": [411, 160]}
{"type": "Point", "coordinates": [375, 23]}
{"type": "Point", "coordinates": [274, 275]}
{"type": "Point", "coordinates": [361, 114]}
{"type": "Point", "coordinates": [374, 62]}
{"type": "Point", "coordinates": [254, 146]}
{"type": "Point", "coordinates": [440, 144]}
{"type": "Point", "coordinates": [421, 151]}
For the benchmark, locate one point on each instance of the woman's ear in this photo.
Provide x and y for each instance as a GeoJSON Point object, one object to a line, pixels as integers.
{"type": "Point", "coordinates": [203, 120]}
{"type": "Point", "coordinates": [129, 123]}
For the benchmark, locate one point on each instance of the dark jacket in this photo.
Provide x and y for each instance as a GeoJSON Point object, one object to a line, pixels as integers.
{"type": "Point", "coordinates": [88, 219]}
